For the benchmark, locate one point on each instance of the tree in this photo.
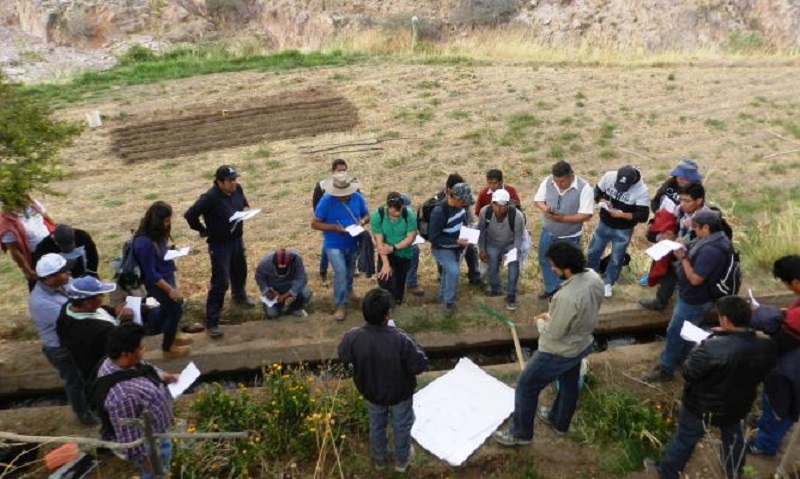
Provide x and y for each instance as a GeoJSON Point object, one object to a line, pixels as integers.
{"type": "Point", "coordinates": [30, 141]}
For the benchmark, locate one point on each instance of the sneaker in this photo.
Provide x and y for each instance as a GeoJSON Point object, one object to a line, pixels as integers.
{"type": "Point", "coordinates": [608, 291]}
{"type": "Point", "coordinates": [505, 438]}
{"type": "Point", "coordinates": [402, 468]}
{"type": "Point", "coordinates": [246, 303]}
{"type": "Point", "coordinates": [340, 314]}
{"type": "Point", "coordinates": [379, 466]}
{"type": "Point", "coordinates": [652, 304]}
{"type": "Point", "coordinates": [89, 419]}
{"type": "Point", "coordinates": [547, 295]}
{"type": "Point", "coordinates": [448, 310]}
{"type": "Point", "coordinates": [544, 416]}
{"type": "Point", "coordinates": [511, 305]}
{"type": "Point", "coordinates": [754, 450]}
{"type": "Point", "coordinates": [300, 313]}
{"type": "Point", "coordinates": [176, 352]}
{"type": "Point", "coordinates": [214, 332]}
{"type": "Point", "coordinates": [416, 291]}
{"type": "Point", "coordinates": [658, 375]}
{"type": "Point", "coordinates": [183, 340]}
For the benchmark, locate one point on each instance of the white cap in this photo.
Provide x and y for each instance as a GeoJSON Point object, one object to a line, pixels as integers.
{"type": "Point", "coordinates": [501, 197]}
{"type": "Point", "coordinates": [51, 264]}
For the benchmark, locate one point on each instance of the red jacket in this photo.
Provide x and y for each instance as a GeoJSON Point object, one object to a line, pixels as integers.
{"type": "Point", "coordinates": [10, 222]}
{"type": "Point", "coordinates": [485, 197]}
{"type": "Point", "coordinates": [663, 221]}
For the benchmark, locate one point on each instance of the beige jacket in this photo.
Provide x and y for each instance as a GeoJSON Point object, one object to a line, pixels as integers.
{"type": "Point", "coordinates": [573, 316]}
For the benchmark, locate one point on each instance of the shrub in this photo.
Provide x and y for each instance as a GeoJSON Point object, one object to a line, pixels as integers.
{"type": "Point", "coordinates": [484, 12]}
{"type": "Point", "coordinates": [136, 54]}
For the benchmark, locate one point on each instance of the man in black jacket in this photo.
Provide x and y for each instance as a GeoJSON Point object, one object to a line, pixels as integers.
{"type": "Point", "coordinates": [225, 243]}
{"type": "Point", "coordinates": [71, 244]}
{"type": "Point", "coordinates": [385, 362]}
{"type": "Point", "coordinates": [722, 375]}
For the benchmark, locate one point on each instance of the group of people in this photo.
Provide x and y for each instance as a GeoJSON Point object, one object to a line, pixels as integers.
{"type": "Point", "coordinates": [77, 324]}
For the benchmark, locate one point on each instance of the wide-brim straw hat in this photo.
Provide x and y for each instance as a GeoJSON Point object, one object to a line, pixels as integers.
{"type": "Point", "coordinates": [341, 184]}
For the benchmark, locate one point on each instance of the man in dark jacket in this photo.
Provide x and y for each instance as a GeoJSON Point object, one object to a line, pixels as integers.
{"type": "Point", "coordinates": [282, 280]}
{"type": "Point", "coordinates": [722, 375]}
{"type": "Point", "coordinates": [623, 199]}
{"type": "Point", "coordinates": [71, 244]}
{"type": "Point", "coordinates": [697, 270]}
{"type": "Point", "coordinates": [225, 243]}
{"type": "Point", "coordinates": [780, 402]}
{"type": "Point", "coordinates": [385, 362]}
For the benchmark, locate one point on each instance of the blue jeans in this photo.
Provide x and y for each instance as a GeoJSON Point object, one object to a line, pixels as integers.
{"type": "Point", "coordinates": [691, 429]}
{"type": "Point", "coordinates": [619, 240]}
{"type": "Point", "coordinates": [676, 348]}
{"type": "Point", "coordinates": [411, 278]}
{"type": "Point", "coordinates": [323, 262]}
{"type": "Point", "coordinates": [74, 385]}
{"type": "Point", "coordinates": [540, 371]}
{"type": "Point", "coordinates": [770, 429]}
{"type": "Point", "coordinates": [300, 302]}
{"type": "Point", "coordinates": [551, 281]}
{"type": "Point", "coordinates": [343, 262]}
{"type": "Point", "coordinates": [495, 254]}
{"type": "Point", "coordinates": [165, 452]}
{"type": "Point", "coordinates": [170, 312]}
{"type": "Point", "coordinates": [228, 266]}
{"type": "Point", "coordinates": [449, 260]}
{"type": "Point", "coordinates": [402, 421]}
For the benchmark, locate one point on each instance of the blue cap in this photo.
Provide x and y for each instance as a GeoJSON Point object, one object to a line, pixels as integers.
{"type": "Point", "coordinates": [687, 168]}
{"type": "Point", "coordinates": [462, 192]}
{"type": "Point", "coordinates": [87, 287]}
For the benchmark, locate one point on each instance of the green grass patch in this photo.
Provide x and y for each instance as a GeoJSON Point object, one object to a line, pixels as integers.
{"type": "Point", "coordinates": [414, 116]}
{"type": "Point", "coordinates": [458, 114]}
{"type": "Point", "coordinates": [518, 127]}
{"type": "Point", "coordinates": [715, 124]}
{"type": "Point", "coordinates": [178, 63]}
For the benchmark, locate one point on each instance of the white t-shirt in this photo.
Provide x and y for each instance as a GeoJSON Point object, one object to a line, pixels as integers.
{"type": "Point", "coordinates": [35, 229]}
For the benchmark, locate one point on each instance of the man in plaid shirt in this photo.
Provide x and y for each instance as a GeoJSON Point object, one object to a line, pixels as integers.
{"type": "Point", "coordinates": [128, 398]}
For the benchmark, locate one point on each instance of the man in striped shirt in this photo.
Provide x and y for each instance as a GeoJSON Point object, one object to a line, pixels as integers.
{"type": "Point", "coordinates": [141, 386]}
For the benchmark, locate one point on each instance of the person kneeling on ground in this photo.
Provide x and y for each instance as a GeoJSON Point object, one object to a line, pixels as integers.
{"type": "Point", "coordinates": [281, 277]}
{"type": "Point", "coordinates": [126, 386]}
{"type": "Point", "coordinates": [385, 362]}
{"type": "Point", "coordinates": [565, 338]}
{"type": "Point", "coordinates": [395, 228]}
{"type": "Point", "coordinates": [722, 375]}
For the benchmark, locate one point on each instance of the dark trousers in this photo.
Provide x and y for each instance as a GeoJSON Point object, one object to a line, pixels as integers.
{"type": "Point", "coordinates": [666, 286]}
{"type": "Point", "coordinates": [396, 283]}
{"type": "Point", "coordinates": [169, 313]}
{"type": "Point", "coordinates": [74, 385]}
{"type": "Point", "coordinates": [228, 266]}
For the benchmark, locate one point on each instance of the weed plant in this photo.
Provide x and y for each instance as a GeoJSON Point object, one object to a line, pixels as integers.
{"type": "Point", "coordinates": [293, 423]}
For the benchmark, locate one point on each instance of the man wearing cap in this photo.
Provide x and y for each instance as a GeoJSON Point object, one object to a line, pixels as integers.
{"type": "Point", "coordinates": [698, 268]}
{"type": "Point", "coordinates": [74, 244]}
{"type": "Point", "coordinates": [502, 230]}
{"type": "Point", "coordinates": [624, 201]}
{"type": "Point", "coordinates": [566, 202]}
{"type": "Point", "coordinates": [84, 322]}
{"type": "Point", "coordinates": [282, 280]}
{"type": "Point", "coordinates": [687, 171]}
{"type": "Point", "coordinates": [341, 206]}
{"type": "Point", "coordinates": [45, 303]}
{"type": "Point", "coordinates": [447, 219]}
{"type": "Point", "coordinates": [225, 243]}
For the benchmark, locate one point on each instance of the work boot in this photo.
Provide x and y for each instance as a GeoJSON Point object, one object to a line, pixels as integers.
{"type": "Point", "coordinates": [658, 375]}
{"type": "Point", "coordinates": [245, 302]}
{"type": "Point", "coordinates": [354, 298]}
{"type": "Point", "coordinates": [340, 314]}
{"type": "Point", "coordinates": [88, 419]}
{"type": "Point", "coordinates": [652, 304]}
{"type": "Point", "coordinates": [176, 352]}
{"type": "Point", "coordinates": [215, 332]}
{"type": "Point", "coordinates": [416, 291]}
{"type": "Point", "coordinates": [448, 309]}
{"type": "Point", "coordinates": [183, 339]}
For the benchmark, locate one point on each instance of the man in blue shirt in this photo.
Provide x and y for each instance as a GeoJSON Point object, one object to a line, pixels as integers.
{"type": "Point", "coordinates": [341, 206]}
{"type": "Point", "coordinates": [45, 303]}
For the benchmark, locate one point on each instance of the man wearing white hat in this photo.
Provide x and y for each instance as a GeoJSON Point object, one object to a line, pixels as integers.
{"type": "Point", "coordinates": [45, 303]}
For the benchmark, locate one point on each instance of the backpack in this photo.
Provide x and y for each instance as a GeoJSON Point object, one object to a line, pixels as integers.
{"type": "Point", "coordinates": [382, 214]}
{"type": "Point", "coordinates": [730, 281]}
{"type": "Point", "coordinates": [512, 216]}
{"type": "Point", "coordinates": [99, 388]}
{"type": "Point", "coordinates": [126, 268]}
{"type": "Point", "coordinates": [424, 214]}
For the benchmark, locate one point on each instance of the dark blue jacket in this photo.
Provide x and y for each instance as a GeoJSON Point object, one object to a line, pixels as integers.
{"type": "Point", "coordinates": [151, 260]}
{"type": "Point", "coordinates": [216, 208]}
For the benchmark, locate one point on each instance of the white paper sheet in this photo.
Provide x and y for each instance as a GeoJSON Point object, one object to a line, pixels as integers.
{"type": "Point", "coordinates": [692, 333]}
{"type": "Point", "coordinates": [458, 411]}
{"type": "Point", "coordinates": [135, 304]}
{"type": "Point", "coordinates": [269, 302]}
{"type": "Point", "coordinates": [188, 376]}
{"type": "Point", "coordinates": [244, 215]}
{"type": "Point", "coordinates": [419, 240]}
{"type": "Point", "coordinates": [391, 323]}
{"type": "Point", "coordinates": [152, 302]}
{"type": "Point", "coordinates": [511, 256]}
{"type": "Point", "coordinates": [753, 303]}
{"type": "Point", "coordinates": [177, 253]}
{"type": "Point", "coordinates": [470, 234]}
{"type": "Point", "coordinates": [662, 248]}
{"type": "Point", "coordinates": [668, 205]}
{"type": "Point", "coordinates": [354, 230]}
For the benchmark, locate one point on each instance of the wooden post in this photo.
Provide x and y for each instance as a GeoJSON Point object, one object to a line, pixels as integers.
{"type": "Point", "coordinates": [414, 32]}
{"type": "Point", "coordinates": [517, 346]}
{"type": "Point", "coordinates": [153, 449]}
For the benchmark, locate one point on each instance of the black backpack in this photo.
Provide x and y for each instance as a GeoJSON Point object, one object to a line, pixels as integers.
{"type": "Point", "coordinates": [730, 281]}
{"type": "Point", "coordinates": [99, 388]}
{"type": "Point", "coordinates": [512, 215]}
{"type": "Point", "coordinates": [126, 268]}
{"type": "Point", "coordinates": [424, 213]}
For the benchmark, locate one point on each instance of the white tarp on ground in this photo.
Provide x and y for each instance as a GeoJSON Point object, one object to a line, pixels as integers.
{"type": "Point", "coordinates": [458, 411]}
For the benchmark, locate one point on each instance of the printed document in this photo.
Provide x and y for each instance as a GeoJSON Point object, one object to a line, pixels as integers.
{"type": "Point", "coordinates": [188, 376]}
{"type": "Point", "coordinates": [511, 256]}
{"type": "Point", "coordinates": [470, 234]}
{"type": "Point", "coordinates": [135, 305]}
{"type": "Point", "coordinates": [354, 230]}
{"type": "Point", "coordinates": [177, 253]}
{"type": "Point", "coordinates": [692, 333]}
{"type": "Point", "coordinates": [663, 248]}
{"type": "Point", "coordinates": [244, 215]}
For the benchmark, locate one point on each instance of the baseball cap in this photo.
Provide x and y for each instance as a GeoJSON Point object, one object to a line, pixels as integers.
{"type": "Point", "coordinates": [51, 264]}
{"type": "Point", "coordinates": [462, 192]}
{"type": "Point", "coordinates": [687, 168]}
{"type": "Point", "coordinates": [226, 172]}
{"type": "Point", "coordinates": [627, 176]}
{"type": "Point", "coordinates": [706, 217]}
{"type": "Point", "coordinates": [64, 236]}
{"type": "Point", "coordinates": [501, 197]}
{"type": "Point", "coordinates": [283, 260]}
{"type": "Point", "coordinates": [87, 287]}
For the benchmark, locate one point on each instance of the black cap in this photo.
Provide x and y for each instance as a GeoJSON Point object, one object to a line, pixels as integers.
{"type": "Point", "coordinates": [627, 176]}
{"type": "Point", "coordinates": [226, 172]}
{"type": "Point", "coordinates": [64, 236]}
